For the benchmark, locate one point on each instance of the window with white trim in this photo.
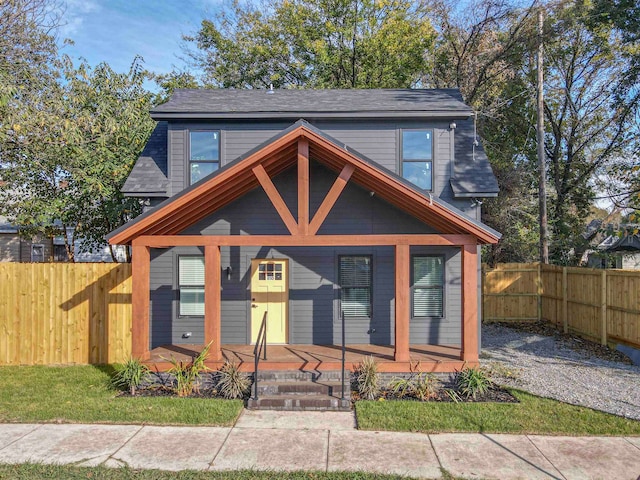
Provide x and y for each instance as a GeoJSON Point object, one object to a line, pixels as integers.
{"type": "Point", "coordinates": [427, 286]}
{"type": "Point", "coordinates": [355, 285]}
{"type": "Point", "coordinates": [37, 252]}
{"type": "Point", "coordinates": [191, 286]}
{"type": "Point", "coordinates": [204, 154]}
{"type": "Point", "coordinates": [417, 157]}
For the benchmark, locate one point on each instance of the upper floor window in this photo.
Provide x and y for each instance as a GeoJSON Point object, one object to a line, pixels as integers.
{"type": "Point", "coordinates": [417, 157]}
{"type": "Point", "coordinates": [204, 154]}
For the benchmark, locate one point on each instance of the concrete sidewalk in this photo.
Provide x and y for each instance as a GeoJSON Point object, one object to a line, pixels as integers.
{"type": "Point", "coordinates": [322, 441]}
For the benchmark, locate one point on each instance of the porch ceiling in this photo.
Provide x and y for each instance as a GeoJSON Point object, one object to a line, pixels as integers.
{"type": "Point", "coordinates": [238, 178]}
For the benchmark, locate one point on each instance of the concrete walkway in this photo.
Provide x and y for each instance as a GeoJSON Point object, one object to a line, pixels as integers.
{"type": "Point", "coordinates": [322, 441]}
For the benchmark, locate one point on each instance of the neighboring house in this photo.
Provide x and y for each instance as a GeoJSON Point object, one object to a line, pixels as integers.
{"type": "Point", "coordinates": [18, 248]}
{"type": "Point", "coordinates": [618, 249]}
{"type": "Point", "coordinates": [312, 208]}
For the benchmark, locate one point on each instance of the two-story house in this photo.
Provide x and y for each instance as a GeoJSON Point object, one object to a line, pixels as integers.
{"type": "Point", "coordinates": [299, 212]}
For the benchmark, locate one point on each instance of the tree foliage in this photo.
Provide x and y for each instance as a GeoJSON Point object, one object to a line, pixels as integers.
{"type": "Point", "coordinates": [316, 44]}
{"type": "Point", "coordinates": [68, 134]}
{"type": "Point", "coordinates": [68, 152]}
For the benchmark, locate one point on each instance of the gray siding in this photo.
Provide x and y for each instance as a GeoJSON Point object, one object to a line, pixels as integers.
{"type": "Point", "coordinates": [166, 327]}
{"type": "Point", "coordinates": [446, 330]}
{"type": "Point", "coordinates": [377, 140]}
{"type": "Point", "coordinates": [177, 159]}
{"type": "Point", "coordinates": [9, 247]}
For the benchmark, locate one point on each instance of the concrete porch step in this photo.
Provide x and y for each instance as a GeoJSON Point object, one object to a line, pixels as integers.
{"type": "Point", "coordinates": [299, 402]}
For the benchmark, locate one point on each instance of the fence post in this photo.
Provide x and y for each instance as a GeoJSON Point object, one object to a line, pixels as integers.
{"type": "Point", "coordinates": [565, 301]}
{"type": "Point", "coordinates": [539, 283]}
{"type": "Point", "coordinates": [603, 308]}
{"type": "Point", "coordinates": [483, 275]}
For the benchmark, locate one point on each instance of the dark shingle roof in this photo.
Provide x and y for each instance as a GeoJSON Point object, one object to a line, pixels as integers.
{"type": "Point", "coordinates": [472, 174]}
{"type": "Point", "coordinates": [149, 174]}
{"type": "Point", "coordinates": [225, 103]}
{"type": "Point", "coordinates": [6, 226]}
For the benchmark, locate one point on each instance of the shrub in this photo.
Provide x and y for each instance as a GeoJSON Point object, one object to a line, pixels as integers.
{"type": "Point", "coordinates": [367, 378]}
{"type": "Point", "coordinates": [130, 375]}
{"type": "Point", "coordinates": [188, 373]}
{"type": "Point", "coordinates": [472, 382]}
{"type": "Point", "coordinates": [425, 386]}
{"type": "Point", "coordinates": [231, 382]}
{"type": "Point", "coordinates": [421, 386]}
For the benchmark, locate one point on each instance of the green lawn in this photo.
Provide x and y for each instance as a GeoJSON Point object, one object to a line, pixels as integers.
{"type": "Point", "coordinates": [30, 471]}
{"type": "Point", "coordinates": [533, 415]}
{"type": "Point", "coordinates": [82, 394]}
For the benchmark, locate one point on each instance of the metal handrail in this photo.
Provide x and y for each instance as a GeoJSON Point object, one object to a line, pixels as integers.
{"type": "Point", "coordinates": [258, 350]}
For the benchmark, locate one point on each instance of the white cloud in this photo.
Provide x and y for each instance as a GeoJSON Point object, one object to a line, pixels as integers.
{"type": "Point", "coordinates": [75, 13]}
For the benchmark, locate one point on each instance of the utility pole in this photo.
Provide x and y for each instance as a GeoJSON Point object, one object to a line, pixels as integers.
{"type": "Point", "coordinates": [542, 189]}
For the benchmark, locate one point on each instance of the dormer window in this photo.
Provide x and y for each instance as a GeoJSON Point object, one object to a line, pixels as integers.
{"type": "Point", "coordinates": [204, 154]}
{"type": "Point", "coordinates": [417, 157]}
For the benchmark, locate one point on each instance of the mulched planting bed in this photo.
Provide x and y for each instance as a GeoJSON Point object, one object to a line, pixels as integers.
{"type": "Point", "coordinates": [167, 392]}
{"type": "Point", "coordinates": [496, 394]}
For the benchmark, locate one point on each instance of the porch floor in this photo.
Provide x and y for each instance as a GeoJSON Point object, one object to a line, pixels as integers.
{"type": "Point", "coordinates": [431, 358]}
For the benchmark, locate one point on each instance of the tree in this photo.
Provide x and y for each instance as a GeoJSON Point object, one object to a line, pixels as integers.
{"type": "Point", "coordinates": [70, 152]}
{"type": "Point", "coordinates": [482, 48]}
{"type": "Point", "coordinates": [588, 127]}
{"type": "Point", "coordinates": [316, 44]}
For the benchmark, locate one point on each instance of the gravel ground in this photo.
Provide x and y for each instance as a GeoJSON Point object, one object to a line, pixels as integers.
{"type": "Point", "coordinates": [551, 366]}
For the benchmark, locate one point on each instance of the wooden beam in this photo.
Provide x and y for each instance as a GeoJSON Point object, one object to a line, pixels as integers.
{"type": "Point", "coordinates": [469, 351]}
{"type": "Point", "coordinates": [212, 300]}
{"type": "Point", "coordinates": [276, 199]}
{"type": "Point", "coordinates": [403, 304]}
{"type": "Point", "coordinates": [331, 198]}
{"type": "Point", "coordinates": [303, 186]}
{"type": "Point", "coordinates": [140, 266]}
{"type": "Point", "coordinates": [165, 241]}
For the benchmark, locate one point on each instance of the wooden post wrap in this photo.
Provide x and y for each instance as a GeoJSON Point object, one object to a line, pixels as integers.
{"type": "Point", "coordinates": [212, 300]}
{"type": "Point", "coordinates": [402, 304]}
{"type": "Point", "coordinates": [469, 351]}
{"type": "Point", "coordinates": [140, 266]}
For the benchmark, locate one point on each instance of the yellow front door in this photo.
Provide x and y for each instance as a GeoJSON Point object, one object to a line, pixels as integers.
{"type": "Point", "coordinates": [270, 294]}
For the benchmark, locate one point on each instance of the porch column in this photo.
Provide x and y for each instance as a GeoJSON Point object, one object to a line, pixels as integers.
{"type": "Point", "coordinates": [212, 300]}
{"type": "Point", "coordinates": [469, 351]}
{"type": "Point", "coordinates": [402, 304]}
{"type": "Point", "coordinates": [141, 297]}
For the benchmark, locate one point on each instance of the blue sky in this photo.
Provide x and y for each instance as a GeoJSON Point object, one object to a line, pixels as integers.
{"type": "Point", "coordinates": [116, 30]}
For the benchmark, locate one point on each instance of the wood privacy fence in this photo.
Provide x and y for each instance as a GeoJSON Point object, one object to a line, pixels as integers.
{"type": "Point", "coordinates": [602, 305]}
{"type": "Point", "coordinates": [58, 313]}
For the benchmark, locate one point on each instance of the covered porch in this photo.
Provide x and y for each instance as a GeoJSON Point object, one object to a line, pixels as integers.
{"type": "Point", "coordinates": [163, 228]}
{"type": "Point", "coordinates": [426, 358]}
